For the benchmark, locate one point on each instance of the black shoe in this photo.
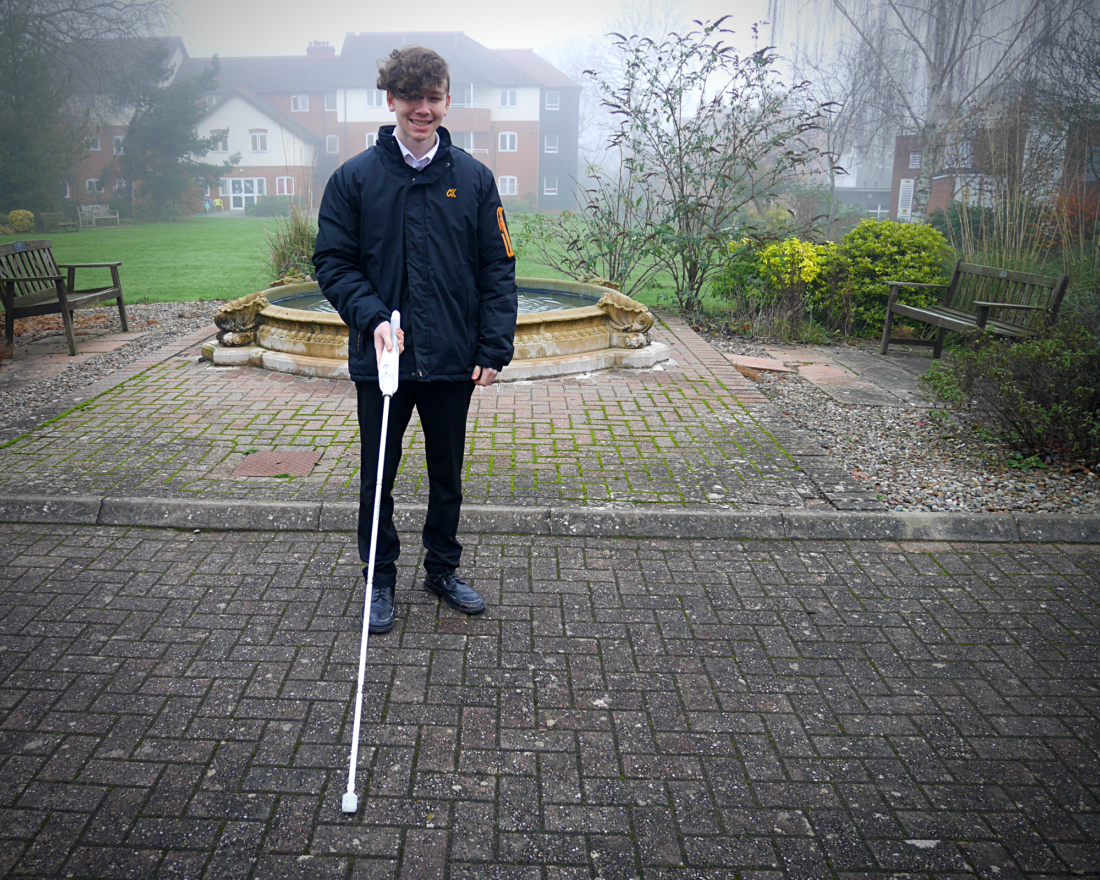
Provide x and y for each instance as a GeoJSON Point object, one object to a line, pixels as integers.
{"type": "Point", "coordinates": [455, 592]}
{"type": "Point", "coordinates": [381, 609]}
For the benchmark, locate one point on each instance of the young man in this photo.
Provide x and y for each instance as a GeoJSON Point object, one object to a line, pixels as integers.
{"type": "Point", "coordinates": [417, 225]}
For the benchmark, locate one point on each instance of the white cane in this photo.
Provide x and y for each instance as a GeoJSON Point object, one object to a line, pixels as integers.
{"type": "Point", "coordinates": [387, 382]}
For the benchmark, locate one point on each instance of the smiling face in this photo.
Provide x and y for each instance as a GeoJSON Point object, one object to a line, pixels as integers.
{"type": "Point", "coordinates": [418, 118]}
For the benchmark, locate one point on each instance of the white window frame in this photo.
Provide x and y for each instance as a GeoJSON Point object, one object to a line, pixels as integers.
{"type": "Point", "coordinates": [332, 143]}
{"type": "Point", "coordinates": [299, 102]}
{"type": "Point", "coordinates": [284, 186]}
{"type": "Point", "coordinates": [68, 191]}
{"type": "Point", "coordinates": [330, 100]}
{"type": "Point", "coordinates": [91, 144]}
{"type": "Point", "coordinates": [222, 144]}
{"type": "Point", "coordinates": [550, 186]}
{"type": "Point", "coordinates": [93, 186]}
{"type": "Point", "coordinates": [120, 184]}
{"type": "Point", "coordinates": [243, 191]}
{"type": "Point", "coordinates": [505, 138]}
{"type": "Point", "coordinates": [259, 140]}
{"type": "Point", "coordinates": [372, 139]}
{"type": "Point", "coordinates": [376, 98]}
{"type": "Point", "coordinates": [508, 185]}
{"type": "Point", "coordinates": [914, 159]}
{"type": "Point", "coordinates": [117, 144]}
{"type": "Point", "coordinates": [550, 144]}
{"type": "Point", "coordinates": [553, 100]}
{"type": "Point", "coordinates": [507, 97]}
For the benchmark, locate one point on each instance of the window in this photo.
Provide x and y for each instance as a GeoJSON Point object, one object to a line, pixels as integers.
{"type": "Point", "coordinates": [259, 141]}
{"type": "Point", "coordinates": [222, 144]}
{"type": "Point", "coordinates": [376, 98]}
{"type": "Point", "coordinates": [508, 186]}
{"type": "Point", "coordinates": [284, 186]}
{"type": "Point", "coordinates": [68, 191]}
{"type": "Point", "coordinates": [914, 160]}
{"type": "Point", "coordinates": [549, 186]}
{"type": "Point", "coordinates": [299, 103]}
{"type": "Point", "coordinates": [551, 145]}
{"type": "Point", "coordinates": [243, 190]}
{"type": "Point", "coordinates": [94, 185]}
{"type": "Point", "coordinates": [507, 97]}
{"type": "Point", "coordinates": [120, 184]}
{"type": "Point", "coordinates": [117, 144]}
{"type": "Point", "coordinates": [91, 144]}
{"type": "Point", "coordinates": [464, 139]}
{"type": "Point", "coordinates": [372, 139]}
{"type": "Point", "coordinates": [553, 100]}
{"type": "Point", "coordinates": [330, 100]}
{"type": "Point", "coordinates": [507, 142]}
{"type": "Point", "coordinates": [332, 143]}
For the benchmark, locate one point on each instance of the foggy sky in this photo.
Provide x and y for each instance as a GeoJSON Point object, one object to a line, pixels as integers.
{"type": "Point", "coordinates": [282, 27]}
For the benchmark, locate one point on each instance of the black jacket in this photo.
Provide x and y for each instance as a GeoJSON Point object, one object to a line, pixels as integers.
{"type": "Point", "coordinates": [432, 243]}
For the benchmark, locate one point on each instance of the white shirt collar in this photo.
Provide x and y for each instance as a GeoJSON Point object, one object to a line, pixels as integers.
{"type": "Point", "coordinates": [423, 161]}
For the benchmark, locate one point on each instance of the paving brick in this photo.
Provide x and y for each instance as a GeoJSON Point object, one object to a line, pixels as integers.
{"type": "Point", "coordinates": [928, 718]}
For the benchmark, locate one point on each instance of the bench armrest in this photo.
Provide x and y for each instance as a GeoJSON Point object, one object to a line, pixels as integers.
{"type": "Point", "coordinates": [87, 265]}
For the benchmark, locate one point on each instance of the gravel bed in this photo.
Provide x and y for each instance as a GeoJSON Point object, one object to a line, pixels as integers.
{"type": "Point", "coordinates": [161, 324]}
{"type": "Point", "coordinates": [924, 460]}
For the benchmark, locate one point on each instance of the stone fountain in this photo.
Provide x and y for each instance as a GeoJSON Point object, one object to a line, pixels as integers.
{"type": "Point", "coordinates": [612, 332]}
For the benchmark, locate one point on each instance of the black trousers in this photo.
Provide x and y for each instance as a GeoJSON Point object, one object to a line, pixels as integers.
{"type": "Point", "coordinates": [442, 407]}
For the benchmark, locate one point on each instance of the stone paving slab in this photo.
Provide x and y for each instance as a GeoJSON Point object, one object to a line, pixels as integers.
{"type": "Point", "coordinates": [854, 375]}
{"type": "Point", "coordinates": [175, 704]}
{"type": "Point", "coordinates": [693, 434]}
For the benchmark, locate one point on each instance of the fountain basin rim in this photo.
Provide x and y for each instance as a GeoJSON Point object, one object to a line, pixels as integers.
{"type": "Point", "coordinates": [559, 285]}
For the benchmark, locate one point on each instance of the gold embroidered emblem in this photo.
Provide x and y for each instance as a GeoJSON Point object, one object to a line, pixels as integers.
{"type": "Point", "coordinates": [452, 193]}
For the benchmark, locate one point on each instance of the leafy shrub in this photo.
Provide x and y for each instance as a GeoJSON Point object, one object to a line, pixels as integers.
{"type": "Point", "coordinates": [766, 286]}
{"type": "Point", "coordinates": [291, 243]}
{"type": "Point", "coordinates": [38, 201]}
{"type": "Point", "coordinates": [21, 221]}
{"type": "Point", "coordinates": [853, 297]}
{"type": "Point", "coordinates": [269, 206]}
{"type": "Point", "coordinates": [1040, 396]}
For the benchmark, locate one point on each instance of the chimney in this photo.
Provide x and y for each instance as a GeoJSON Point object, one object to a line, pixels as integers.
{"type": "Point", "coordinates": [320, 49]}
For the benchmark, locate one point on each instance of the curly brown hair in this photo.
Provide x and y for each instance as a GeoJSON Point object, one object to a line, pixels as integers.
{"type": "Point", "coordinates": [412, 71]}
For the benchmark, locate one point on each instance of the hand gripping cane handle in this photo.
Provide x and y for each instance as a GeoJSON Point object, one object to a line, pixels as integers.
{"type": "Point", "coordinates": [387, 364]}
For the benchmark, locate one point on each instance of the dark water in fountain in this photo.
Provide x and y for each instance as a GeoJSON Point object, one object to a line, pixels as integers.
{"type": "Point", "coordinates": [530, 300]}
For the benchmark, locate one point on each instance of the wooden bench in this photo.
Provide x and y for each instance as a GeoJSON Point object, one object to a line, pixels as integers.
{"type": "Point", "coordinates": [1009, 304]}
{"type": "Point", "coordinates": [32, 284]}
{"type": "Point", "coordinates": [57, 222]}
{"type": "Point", "coordinates": [90, 215]}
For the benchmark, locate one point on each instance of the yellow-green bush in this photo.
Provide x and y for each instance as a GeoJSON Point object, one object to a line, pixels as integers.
{"type": "Point", "coordinates": [853, 292]}
{"type": "Point", "coordinates": [790, 263]}
{"type": "Point", "coordinates": [21, 221]}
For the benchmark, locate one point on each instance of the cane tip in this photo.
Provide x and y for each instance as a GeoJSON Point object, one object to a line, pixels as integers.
{"type": "Point", "coordinates": [350, 803]}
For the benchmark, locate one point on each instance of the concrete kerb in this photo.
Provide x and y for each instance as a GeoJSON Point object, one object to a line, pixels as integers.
{"type": "Point", "coordinates": [562, 522]}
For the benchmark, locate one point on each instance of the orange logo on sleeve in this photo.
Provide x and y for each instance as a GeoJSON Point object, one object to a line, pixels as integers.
{"type": "Point", "coordinates": [504, 232]}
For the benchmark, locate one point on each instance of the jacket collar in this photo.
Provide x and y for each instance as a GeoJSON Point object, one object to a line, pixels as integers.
{"type": "Point", "coordinates": [387, 143]}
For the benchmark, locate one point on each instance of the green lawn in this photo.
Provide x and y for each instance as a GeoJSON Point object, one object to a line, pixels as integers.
{"type": "Point", "coordinates": [197, 259]}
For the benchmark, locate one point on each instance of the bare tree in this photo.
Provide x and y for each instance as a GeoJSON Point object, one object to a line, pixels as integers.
{"type": "Point", "coordinates": [933, 65]}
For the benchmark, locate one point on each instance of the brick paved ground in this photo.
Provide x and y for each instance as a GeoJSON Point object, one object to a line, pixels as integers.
{"type": "Point", "coordinates": [694, 434]}
{"type": "Point", "coordinates": [178, 705]}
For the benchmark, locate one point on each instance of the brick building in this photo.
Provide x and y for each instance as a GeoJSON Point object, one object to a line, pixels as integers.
{"type": "Point", "coordinates": [294, 119]}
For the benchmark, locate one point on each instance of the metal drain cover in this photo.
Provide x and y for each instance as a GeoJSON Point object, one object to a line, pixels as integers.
{"type": "Point", "coordinates": [274, 464]}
